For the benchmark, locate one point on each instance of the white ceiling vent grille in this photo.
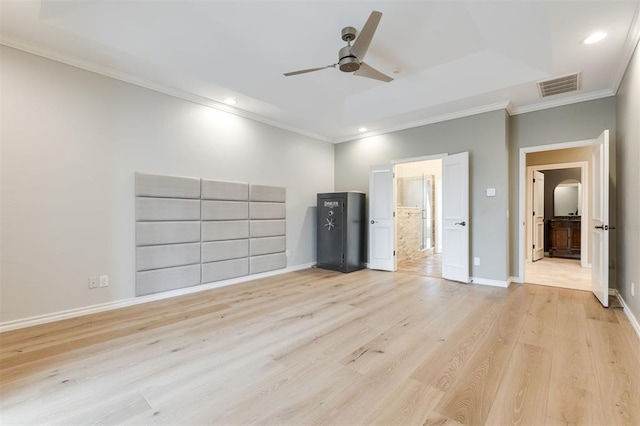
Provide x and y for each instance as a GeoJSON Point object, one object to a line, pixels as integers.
{"type": "Point", "coordinates": [568, 83]}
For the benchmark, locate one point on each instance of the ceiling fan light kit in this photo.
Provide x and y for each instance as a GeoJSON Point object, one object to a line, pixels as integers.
{"type": "Point", "coordinates": [350, 56]}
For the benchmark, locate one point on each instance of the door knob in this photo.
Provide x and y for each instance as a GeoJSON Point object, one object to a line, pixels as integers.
{"type": "Point", "coordinates": [373, 221]}
{"type": "Point", "coordinates": [463, 223]}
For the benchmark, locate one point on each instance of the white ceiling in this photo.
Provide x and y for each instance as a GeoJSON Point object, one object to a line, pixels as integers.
{"type": "Point", "coordinates": [452, 58]}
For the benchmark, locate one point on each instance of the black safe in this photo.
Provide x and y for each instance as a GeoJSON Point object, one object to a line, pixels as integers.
{"type": "Point", "coordinates": [341, 227]}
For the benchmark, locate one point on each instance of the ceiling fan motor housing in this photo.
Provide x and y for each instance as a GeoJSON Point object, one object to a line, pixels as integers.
{"type": "Point", "coordinates": [348, 62]}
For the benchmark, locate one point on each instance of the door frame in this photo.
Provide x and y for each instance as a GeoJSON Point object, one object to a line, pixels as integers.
{"type": "Point", "coordinates": [584, 206]}
{"type": "Point", "coordinates": [522, 181]}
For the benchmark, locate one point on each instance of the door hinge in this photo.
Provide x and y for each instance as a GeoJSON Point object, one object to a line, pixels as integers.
{"type": "Point", "coordinates": [534, 180]}
{"type": "Point", "coordinates": [394, 252]}
{"type": "Point", "coordinates": [534, 213]}
{"type": "Point", "coordinates": [394, 214]}
{"type": "Point", "coordinates": [534, 246]}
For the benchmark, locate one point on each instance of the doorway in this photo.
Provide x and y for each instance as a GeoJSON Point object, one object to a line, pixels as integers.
{"type": "Point", "coordinates": [418, 198]}
{"type": "Point", "coordinates": [557, 241]}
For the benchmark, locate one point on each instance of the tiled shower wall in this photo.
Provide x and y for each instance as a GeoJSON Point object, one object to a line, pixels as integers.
{"type": "Point", "coordinates": [193, 231]}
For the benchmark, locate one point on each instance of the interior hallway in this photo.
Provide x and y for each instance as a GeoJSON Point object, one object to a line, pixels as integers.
{"type": "Point", "coordinates": [557, 272]}
{"type": "Point", "coordinates": [429, 266]}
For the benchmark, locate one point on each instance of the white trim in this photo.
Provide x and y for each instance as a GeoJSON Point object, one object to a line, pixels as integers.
{"type": "Point", "coordinates": [517, 280]}
{"type": "Point", "coordinates": [158, 87]}
{"type": "Point", "coordinates": [633, 37]}
{"type": "Point", "coordinates": [632, 319]}
{"type": "Point", "coordinates": [431, 120]}
{"type": "Point", "coordinates": [522, 178]}
{"type": "Point", "coordinates": [418, 159]}
{"type": "Point", "coordinates": [493, 283]}
{"type": "Point", "coordinates": [73, 313]}
{"type": "Point", "coordinates": [583, 97]}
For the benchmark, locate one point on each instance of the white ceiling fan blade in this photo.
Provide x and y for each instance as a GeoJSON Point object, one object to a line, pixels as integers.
{"type": "Point", "coordinates": [370, 72]}
{"type": "Point", "coordinates": [361, 45]}
{"type": "Point", "coordinates": [287, 74]}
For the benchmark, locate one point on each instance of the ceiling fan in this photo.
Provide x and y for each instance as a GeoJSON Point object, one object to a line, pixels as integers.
{"type": "Point", "coordinates": [351, 56]}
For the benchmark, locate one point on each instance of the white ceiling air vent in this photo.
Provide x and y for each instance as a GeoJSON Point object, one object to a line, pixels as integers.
{"type": "Point", "coordinates": [567, 83]}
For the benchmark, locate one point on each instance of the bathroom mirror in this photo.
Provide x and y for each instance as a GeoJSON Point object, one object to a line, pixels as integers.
{"type": "Point", "coordinates": [566, 199]}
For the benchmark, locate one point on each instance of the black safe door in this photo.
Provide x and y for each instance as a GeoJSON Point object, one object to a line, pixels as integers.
{"type": "Point", "coordinates": [331, 231]}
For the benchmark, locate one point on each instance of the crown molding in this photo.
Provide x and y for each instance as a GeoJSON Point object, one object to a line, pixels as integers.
{"type": "Point", "coordinates": [633, 37]}
{"type": "Point", "coordinates": [431, 120]}
{"type": "Point", "coordinates": [157, 87]}
{"type": "Point", "coordinates": [584, 97]}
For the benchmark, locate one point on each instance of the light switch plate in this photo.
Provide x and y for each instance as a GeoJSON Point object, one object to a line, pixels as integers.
{"type": "Point", "coordinates": [491, 192]}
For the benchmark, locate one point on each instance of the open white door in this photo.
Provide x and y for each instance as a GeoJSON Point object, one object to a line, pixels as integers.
{"type": "Point", "coordinates": [381, 218]}
{"type": "Point", "coordinates": [455, 217]}
{"type": "Point", "coordinates": [600, 219]}
{"type": "Point", "coordinates": [538, 215]}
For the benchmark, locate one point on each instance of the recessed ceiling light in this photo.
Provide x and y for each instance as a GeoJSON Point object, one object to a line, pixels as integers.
{"type": "Point", "coordinates": [594, 38]}
{"type": "Point", "coordinates": [230, 101]}
{"type": "Point", "coordinates": [362, 129]}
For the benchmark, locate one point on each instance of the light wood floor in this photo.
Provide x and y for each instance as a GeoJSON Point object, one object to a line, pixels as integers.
{"type": "Point", "coordinates": [320, 347]}
{"type": "Point", "coordinates": [428, 266]}
{"type": "Point", "coordinates": [558, 272]}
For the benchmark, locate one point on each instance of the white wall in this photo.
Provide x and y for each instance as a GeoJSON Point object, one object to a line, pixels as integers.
{"type": "Point", "coordinates": [71, 141]}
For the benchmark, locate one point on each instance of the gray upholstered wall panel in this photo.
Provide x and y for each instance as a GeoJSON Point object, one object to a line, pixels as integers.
{"type": "Point", "coordinates": [164, 209]}
{"type": "Point", "coordinates": [225, 230]}
{"type": "Point", "coordinates": [167, 186]}
{"type": "Point", "coordinates": [217, 271]}
{"type": "Point", "coordinates": [158, 280]}
{"type": "Point", "coordinates": [267, 210]}
{"type": "Point", "coordinates": [269, 262]}
{"type": "Point", "coordinates": [224, 250]}
{"type": "Point", "coordinates": [276, 194]}
{"type": "Point", "coordinates": [225, 210]}
{"type": "Point", "coordinates": [156, 257]}
{"type": "Point", "coordinates": [268, 245]}
{"type": "Point", "coordinates": [230, 191]}
{"type": "Point", "coordinates": [267, 228]}
{"type": "Point", "coordinates": [154, 233]}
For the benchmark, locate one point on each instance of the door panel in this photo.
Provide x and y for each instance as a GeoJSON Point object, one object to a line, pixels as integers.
{"type": "Point", "coordinates": [455, 212]}
{"type": "Point", "coordinates": [538, 216]}
{"type": "Point", "coordinates": [600, 219]}
{"type": "Point", "coordinates": [381, 219]}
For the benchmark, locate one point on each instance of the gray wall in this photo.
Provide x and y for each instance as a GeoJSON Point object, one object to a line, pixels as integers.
{"type": "Point", "coordinates": [575, 122]}
{"type": "Point", "coordinates": [485, 137]}
{"type": "Point", "coordinates": [628, 162]}
{"type": "Point", "coordinates": [71, 142]}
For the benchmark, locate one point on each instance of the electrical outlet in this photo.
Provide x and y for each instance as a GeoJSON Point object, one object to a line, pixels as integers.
{"type": "Point", "coordinates": [476, 261]}
{"type": "Point", "coordinates": [104, 280]}
{"type": "Point", "coordinates": [93, 282]}
{"type": "Point", "coordinates": [633, 288]}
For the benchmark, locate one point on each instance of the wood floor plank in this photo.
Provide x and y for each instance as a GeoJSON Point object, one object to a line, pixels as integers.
{"type": "Point", "coordinates": [523, 393]}
{"type": "Point", "coordinates": [321, 347]}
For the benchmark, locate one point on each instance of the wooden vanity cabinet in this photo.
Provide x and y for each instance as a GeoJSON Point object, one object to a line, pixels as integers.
{"type": "Point", "coordinates": [564, 238]}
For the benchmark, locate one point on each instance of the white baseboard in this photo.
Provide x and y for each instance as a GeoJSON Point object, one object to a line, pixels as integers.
{"type": "Point", "coordinates": [72, 313]}
{"type": "Point", "coordinates": [494, 283]}
{"type": "Point", "coordinates": [632, 319]}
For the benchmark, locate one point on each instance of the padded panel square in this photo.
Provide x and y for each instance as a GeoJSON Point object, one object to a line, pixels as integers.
{"type": "Point", "coordinates": [156, 257]}
{"type": "Point", "coordinates": [225, 230]}
{"type": "Point", "coordinates": [224, 270]}
{"type": "Point", "coordinates": [163, 209]}
{"type": "Point", "coordinates": [224, 250]}
{"type": "Point", "coordinates": [267, 228]}
{"type": "Point", "coordinates": [167, 186]}
{"type": "Point", "coordinates": [276, 194]}
{"type": "Point", "coordinates": [269, 262]}
{"type": "Point", "coordinates": [268, 210]}
{"type": "Point", "coordinates": [154, 233]}
{"type": "Point", "coordinates": [267, 245]}
{"type": "Point", "coordinates": [150, 282]}
{"type": "Point", "coordinates": [225, 210]}
{"type": "Point", "coordinates": [231, 191]}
